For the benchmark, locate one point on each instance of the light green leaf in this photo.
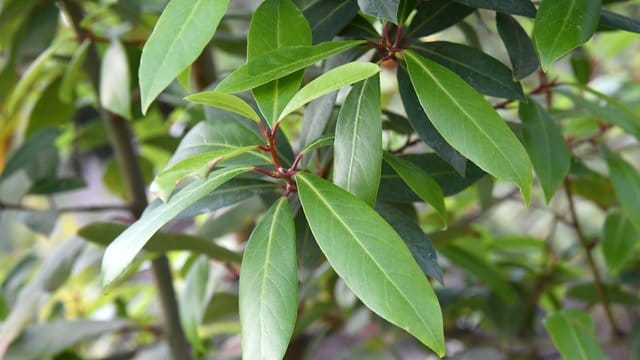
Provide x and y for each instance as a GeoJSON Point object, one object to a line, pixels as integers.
{"type": "Point", "coordinates": [372, 259]}
{"type": "Point", "coordinates": [522, 53]}
{"type": "Point", "coordinates": [469, 123]}
{"type": "Point", "coordinates": [358, 143]}
{"type": "Point", "coordinates": [619, 240]}
{"type": "Point", "coordinates": [181, 33]}
{"type": "Point", "coordinates": [561, 26]}
{"type": "Point", "coordinates": [276, 24]}
{"type": "Point", "coordinates": [384, 9]}
{"type": "Point", "coordinates": [103, 233]}
{"type": "Point", "coordinates": [224, 101]}
{"type": "Point", "coordinates": [573, 334]}
{"type": "Point", "coordinates": [67, 87]}
{"type": "Point", "coordinates": [115, 94]}
{"type": "Point", "coordinates": [279, 63]}
{"type": "Point", "coordinates": [329, 82]}
{"type": "Point", "coordinates": [125, 247]}
{"type": "Point", "coordinates": [420, 182]}
{"type": "Point", "coordinates": [323, 141]}
{"type": "Point", "coordinates": [547, 149]}
{"type": "Point", "coordinates": [626, 182]}
{"type": "Point", "coordinates": [269, 285]}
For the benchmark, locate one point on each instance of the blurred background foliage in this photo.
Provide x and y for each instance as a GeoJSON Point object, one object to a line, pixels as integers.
{"type": "Point", "coordinates": [504, 265]}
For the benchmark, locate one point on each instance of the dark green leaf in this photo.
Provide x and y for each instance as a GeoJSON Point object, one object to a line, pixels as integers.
{"type": "Point", "coordinates": [360, 28]}
{"type": "Point", "coordinates": [269, 285]}
{"type": "Point", "coordinates": [420, 182]}
{"type": "Point", "coordinates": [547, 149]}
{"type": "Point", "coordinates": [515, 7]}
{"type": "Point", "coordinates": [276, 24]}
{"type": "Point", "coordinates": [372, 259]}
{"type": "Point", "coordinates": [103, 233]}
{"type": "Point", "coordinates": [436, 15]}
{"type": "Point", "coordinates": [626, 182]}
{"type": "Point", "coordinates": [50, 111]}
{"type": "Point", "coordinates": [483, 72]}
{"type": "Point", "coordinates": [405, 8]}
{"type": "Point", "coordinates": [573, 334]}
{"type": "Point", "coordinates": [423, 126]}
{"type": "Point", "coordinates": [181, 33]}
{"type": "Point", "coordinates": [115, 94]}
{"type": "Point", "coordinates": [581, 65]}
{"type": "Point", "coordinates": [589, 293]}
{"type": "Point", "coordinates": [279, 63]}
{"type": "Point", "coordinates": [522, 53]}
{"type": "Point", "coordinates": [469, 123]}
{"type": "Point", "coordinates": [38, 156]}
{"type": "Point", "coordinates": [617, 21]}
{"type": "Point", "coordinates": [384, 9]}
{"type": "Point", "coordinates": [307, 251]}
{"type": "Point", "coordinates": [125, 247]}
{"type": "Point", "coordinates": [561, 26]}
{"type": "Point", "coordinates": [328, 17]}
{"type": "Point", "coordinates": [619, 240]}
{"type": "Point", "coordinates": [358, 142]}
{"type": "Point", "coordinates": [417, 241]}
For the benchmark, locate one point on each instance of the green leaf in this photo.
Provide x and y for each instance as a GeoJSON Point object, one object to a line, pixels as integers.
{"type": "Point", "coordinates": [522, 53]}
{"type": "Point", "coordinates": [423, 126]}
{"type": "Point", "coordinates": [44, 340]}
{"type": "Point", "coordinates": [181, 33]}
{"type": "Point", "coordinates": [416, 240]}
{"type": "Point", "coordinates": [225, 101]}
{"type": "Point", "coordinates": [617, 21]}
{"type": "Point", "coordinates": [358, 143]}
{"type": "Point", "coordinates": [420, 182]}
{"type": "Point", "coordinates": [328, 17]}
{"type": "Point", "coordinates": [483, 72]}
{"type": "Point", "coordinates": [329, 82]}
{"type": "Point", "coordinates": [547, 149]}
{"type": "Point", "coordinates": [125, 247]}
{"type": "Point", "coordinates": [383, 9]}
{"type": "Point", "coordinates": [323, 141]}
{"type": "Point", "coordinates": [581, 65]}
{"type": "Point", "coordinates": [269, 285]}
{"type": "Point", "coordinates": [619, 240]}
{"type": "Point", "coordinates": [115, 94]}
{"type": "Point", "coordinates": [515, 7]}
{"type": "Point", "coordinates": [372, 259]}
{"type": "Point", "coordinates": [103, 233]}
{"type": "Point", "coordinates": [469, 123]}
{"type": "Point", "coordinates": [436, 15]}
{"type": "Point", "coordinates": [589, 293]}
{"type": "Point", "coordinates": [405, 8]}
{"type": "Point", "coordinates": [276, 24]}
{"type": "Point", "coordinates": [561, 26]}
{"type": "Point", "coordinates": [484, 271]}
{"type": "Point", "coordinates": [626, 182]}
{"type": "Point", "coordinates": [194, 300]}
{"type": "Point", "coordinates": [67, 87]}
{"type": "Point", "coordinates": [279, 63]}
{"type": "Point", "coordinates": [199, 165]}
{"type": "Point", "coordinates": [573, 334]}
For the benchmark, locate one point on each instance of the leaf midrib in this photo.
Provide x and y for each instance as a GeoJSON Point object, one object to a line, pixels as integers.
{"type": "Point", "coordinates": [355, 134]}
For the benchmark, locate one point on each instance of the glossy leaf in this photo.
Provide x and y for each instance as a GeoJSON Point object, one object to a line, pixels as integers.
{"type": "Point", "coordinates": [115, 94]}
{"type": "Point", "coordinates": [469, 123]}
{"type": "Point", "coordinates": [483, 72]}
{"type": "Point", "coordinates": [103, 233]}
{"type": "Point", "coordinates": [328, 17]}
{"type": "Point", "coordinates": [199, 165]}
{"type": "Point", "coordinates": [318, 143]}
{"type": "Point", "coordinates": [515, 7]}
{"type": "Point", "coordinates": [522, 53]}
{"type": "Point", "coordinates": [619, 240]}
{"type": "Point", "coordinates": [549, 153]}
{"type": "Point", "coordinates": [125, 247]}
{"type": "Point", "coordinates": [269, 285]}
{"type": "Point", "coordinates": [279, 63]}
{"type": "Point", "coordinates": [626, 182]}
{"type": "Point", "coordinates": [358, 142]}
{"type": "Point", "coordinates": [561, 26]}
{"type": "Point", "coordinates": [181, 33]}
{"type": "Point", "coordinates": [420, 182]}
{"type": "Point", "coordinates": [436, 15]}
{"type": "Point", "coordinates": [372, 259]}
{"type": "Point", "coordinates": [416, 240]}
{"type": "Point", "coordinates": [384, 9]}
{"type": "Point", "coordinates": [276, 24]}
{"type": "Point", "coordinates": [423, 126]}
{"type": "Point", "coordinates": [225, 101]}
{"type": "Point", "coordinates": [573, 334]}
{"type": "Point", "coordinates": [405, 9]}
{"type": "Point", "coordinates": [329, 82]}
{"type": "Point", "coordinates": [617, 21]}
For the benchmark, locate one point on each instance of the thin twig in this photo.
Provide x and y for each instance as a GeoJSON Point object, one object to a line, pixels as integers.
{"type": "Point", "coordinates": [71, 209]}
